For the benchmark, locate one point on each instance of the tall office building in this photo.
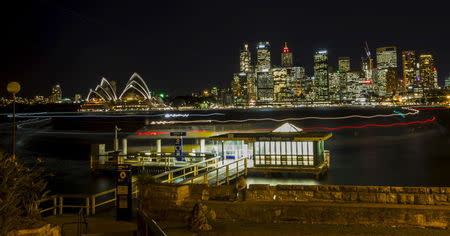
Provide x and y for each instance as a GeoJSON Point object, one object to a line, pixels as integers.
{"type": "Point", "coordinates": [280, 79]}
{"type": "Point", "coordinates": [447, 82]}
{"type": "Point", "coordinates": [56, 94]}
{"type": "Point", "coordinates": [245, 60]}
{"type": "Point", "coordinates": [409, 68]}
{"type": "Point", "coordinates": [386, 65]}
{"type": "Point", "coordinates": [427, 71]}
{"type": "Point", "coordinates": [263, 63]}
{"type": "Point", "coordinates": [264, 88]}
{"type": "Point", "coordinates": [321, 83]}
{"type": "Point", "coordinates": [344, 64]}
{"type": "Point", "coordinates": [386, 57]}
{"type": "Point", "coordinates": [286, 57]}
{"type": "Point", "coordinates": [239, 88]}
{"type": "Point", "coordinates": [77, 98]}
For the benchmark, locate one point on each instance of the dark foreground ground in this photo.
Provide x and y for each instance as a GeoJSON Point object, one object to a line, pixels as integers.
{"type": "Point", "coordinates": [299, 229]}
{"type": "Point", "coordinates": [108, 226]}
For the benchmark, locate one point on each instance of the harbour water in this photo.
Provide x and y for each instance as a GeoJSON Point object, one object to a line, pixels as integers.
{"type": "Point", "coordinates": [406, 154]}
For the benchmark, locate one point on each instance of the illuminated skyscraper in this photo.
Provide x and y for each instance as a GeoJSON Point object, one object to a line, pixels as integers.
{"type": "Point", "coordinates": [447, 82]}
{"type": "Point", "coordinates": [245, 60]}
{"type": "Point", "coordinates": [321, 83]}
{"type": "Point", "coordinates": [56, 94]}
{"type": "Point", "coordinates": [280, 78]}
{"type": "Point", "coordinates": [344, 64]}
{"type": "Point", "coordinates": [263, 63]}
{"type": "Point", "coordinates": [386, 69]}
{"type": "Point", "coordinates": [427, 71]}
{"type": "Point", "coordinates": [386, 57]}
{"type": "Point", "coordinates": [409, 67]}
{"type": "Point", "coordinates": [77, 98]}
{"type": "Point", "coordinates": [286, 57]}
{"type": "Point", "coordinates": [264, 88]}
{"type": "Point", "coordinates": [239, 89]}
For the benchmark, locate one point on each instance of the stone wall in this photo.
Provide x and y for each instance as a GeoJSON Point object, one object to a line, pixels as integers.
{"type": "Point", "coordinates": [351, 194]}
{"type": "Point", "coordinates": [324, 204]}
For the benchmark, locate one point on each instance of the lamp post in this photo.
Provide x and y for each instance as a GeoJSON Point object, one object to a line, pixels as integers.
{"type": "Point", "coordinates": [13, 88]}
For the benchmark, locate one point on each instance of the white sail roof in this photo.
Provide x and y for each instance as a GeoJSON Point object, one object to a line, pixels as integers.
{"type": "Point", "coordinates": [287, 128]}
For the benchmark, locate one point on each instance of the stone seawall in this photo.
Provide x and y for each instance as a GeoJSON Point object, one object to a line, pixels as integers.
{"type": "Point", "coordinates": [325, 204]}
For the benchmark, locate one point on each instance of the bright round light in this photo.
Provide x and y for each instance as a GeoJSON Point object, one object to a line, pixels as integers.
{"type": "Point", "coordinates": [13, 87]}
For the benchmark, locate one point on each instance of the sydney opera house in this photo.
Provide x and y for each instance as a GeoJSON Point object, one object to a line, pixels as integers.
{"type": "Point", "coordinates": [135, 96]}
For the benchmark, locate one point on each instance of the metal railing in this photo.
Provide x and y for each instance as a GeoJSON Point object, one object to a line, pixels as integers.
{"type": "Point", "coordinates": [177, 175]}
{"type": "Point", "coordinates": [206, 172]}
{"type": "Point", "coordinates": [158, 159]}
{"type": "Point", "coordinates": [222, 174]}
{"type": "Point", "coordinates": [88, 202]}
{"type": "Point", "coordinates": [147, 226]}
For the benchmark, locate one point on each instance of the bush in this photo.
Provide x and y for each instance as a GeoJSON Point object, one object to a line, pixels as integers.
{"type": "Point", "coordinates": [21, 189]}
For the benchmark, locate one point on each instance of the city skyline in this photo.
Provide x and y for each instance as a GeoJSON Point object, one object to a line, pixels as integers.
{"type": "Point", "coordinates": [70, 44]}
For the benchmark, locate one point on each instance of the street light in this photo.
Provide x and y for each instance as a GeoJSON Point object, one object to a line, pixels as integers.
{"type": "Point", "coordinates": [13, 87]}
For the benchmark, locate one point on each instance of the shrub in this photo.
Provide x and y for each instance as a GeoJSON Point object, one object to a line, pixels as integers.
{"type": "Point", "coordinates": [21, 189]}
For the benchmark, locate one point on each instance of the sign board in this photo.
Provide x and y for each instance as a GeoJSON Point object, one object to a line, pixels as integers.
{"type": "Point", "coordinates": [275, 138]}
{"type": "Point", "coordinates": [124, 192]}
{"type": "Point", "coordinates": [179, 149]}
{"type": "Point", "coordinates": [177, 133]}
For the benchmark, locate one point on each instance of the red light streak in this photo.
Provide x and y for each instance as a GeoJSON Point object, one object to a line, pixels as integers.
{"type": "Point", "coordinates": [374, 125]}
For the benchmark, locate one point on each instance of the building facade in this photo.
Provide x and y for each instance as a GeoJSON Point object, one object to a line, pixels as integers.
{"type": "Point", "coordinates": [263, 61]}
{"type": "Point", "coordinates": [321, 83]}
{"type": "Point", "coordinates": [386, 63]}
{"type": "Point", "coordinates": [286, 57]}
{"type": "Point", "coordinates": [427, 72]}
{"type": "Point", "coordinates": [344, 64]}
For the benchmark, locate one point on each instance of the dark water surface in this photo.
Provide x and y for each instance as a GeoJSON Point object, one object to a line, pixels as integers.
{"type": "Point", "coordinates": [410, 155]}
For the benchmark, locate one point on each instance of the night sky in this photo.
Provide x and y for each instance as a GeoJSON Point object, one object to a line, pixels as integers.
{"type": "Point", "coordinates": [184, 46]}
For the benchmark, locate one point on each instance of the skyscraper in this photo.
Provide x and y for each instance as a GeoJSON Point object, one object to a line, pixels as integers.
{"type": "Point", "coordinates": [264, 88]}
{"type": "Point", "coordinates": [239, 88]}
{"type": "Point", "coordinates": [386, 57]}
{"type": "Point", "coordinates": [344, 64]}
{"type": "Point", "coordinates": [245, 60]}
{"type": "Point", "coordinates": [386, 69]}
{"type": "Point", "coordinates": [286, 57]}
{"type": "Point", "coordinates": [409, 66]}
{"type": "Point", "coordinates": [427, 71]}
{"type": "Point", "coordinates": [280, 78]}
{"type": "Point", "coordinates": [56, 94]}
{"type": "Point", "coordinates": [263, 63]}
{"type": "Point", "coordinates": [321, 83]}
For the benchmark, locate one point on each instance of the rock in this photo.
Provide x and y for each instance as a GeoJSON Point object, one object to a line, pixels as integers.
{"type": "Point", "coordinates": [200, 217]}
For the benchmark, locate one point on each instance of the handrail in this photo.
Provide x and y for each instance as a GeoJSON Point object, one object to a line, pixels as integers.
{"type": "Point", "coordinates": [232, 170]}
{"type": "Point", "coordinates": [90, 202]}
{"type": "Point", "coordinates": [194, 169]}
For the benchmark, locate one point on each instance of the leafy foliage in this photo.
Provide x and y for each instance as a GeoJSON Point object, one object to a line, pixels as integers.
{"type": "Point", "coordinates": [21, 189]}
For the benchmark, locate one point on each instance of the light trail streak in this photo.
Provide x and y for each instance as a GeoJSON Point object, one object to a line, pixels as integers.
{"type": "Point", "coordinates": [47, 115]}
{"type": "Point", "coordinates": [412, 112]}
{"type": "Point", "coordinates": [373, 125]}
{"type": "Point", "coordinates": [432, 108]}
{"type": "Point", "coordinates": [154, 133]}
